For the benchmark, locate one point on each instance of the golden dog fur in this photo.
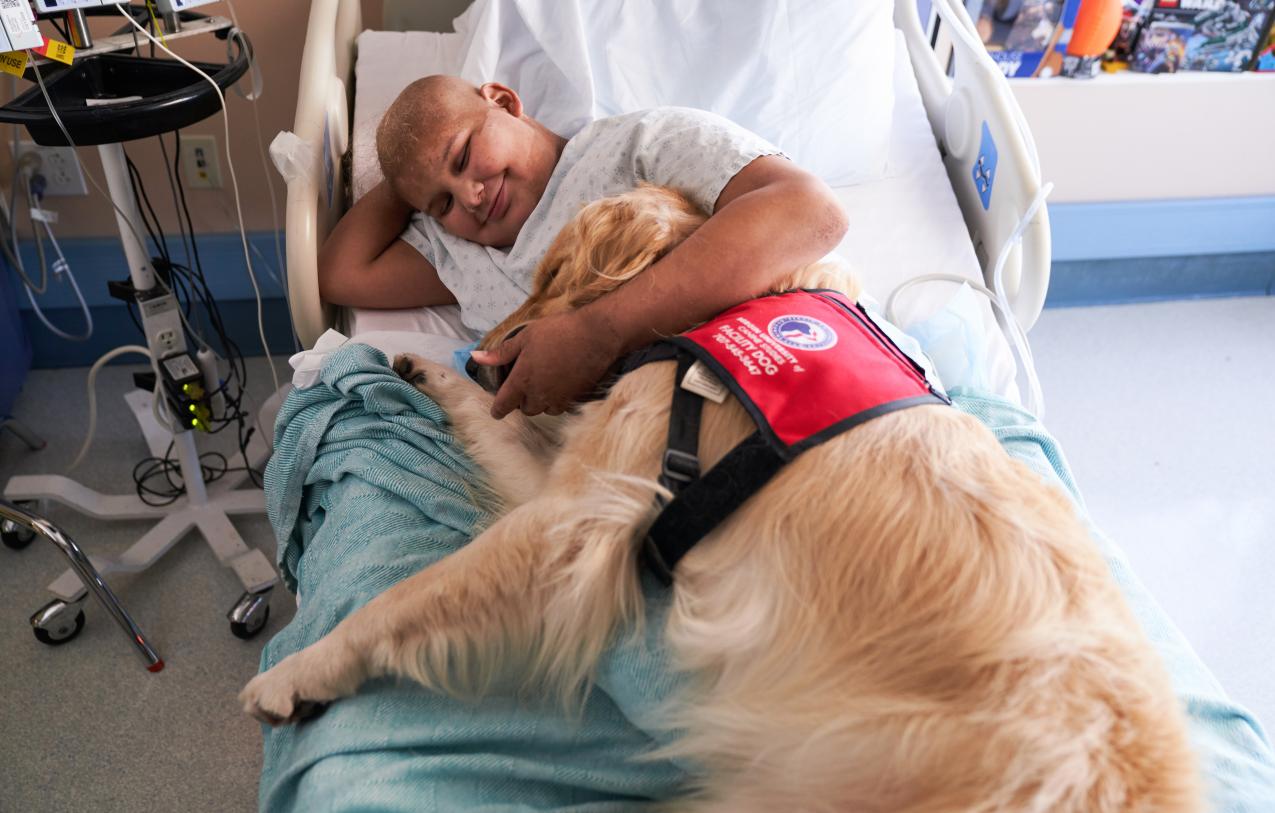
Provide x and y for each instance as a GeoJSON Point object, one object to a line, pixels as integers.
{"type": "Point", "coordinates": [903, 619]}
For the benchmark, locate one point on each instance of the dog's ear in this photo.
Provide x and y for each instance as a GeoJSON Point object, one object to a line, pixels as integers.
{"type": "Point", "coordinates": [622, 236]}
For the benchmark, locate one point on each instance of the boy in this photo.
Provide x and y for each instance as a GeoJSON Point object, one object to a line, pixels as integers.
{"type": "Point", "coordinates": [493, 187]}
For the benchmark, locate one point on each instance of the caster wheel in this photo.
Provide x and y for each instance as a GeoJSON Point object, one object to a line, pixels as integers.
{"type": "Point", "coordinates": [15, 536]}
{"type": "Point", "coordinates": [249, 615]}
{"type": "Point", "coordinates": [54, 625]}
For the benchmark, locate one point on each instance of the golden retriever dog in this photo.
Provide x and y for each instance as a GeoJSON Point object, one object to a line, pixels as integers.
{"type": "Point", "coordinates": [903, 619]}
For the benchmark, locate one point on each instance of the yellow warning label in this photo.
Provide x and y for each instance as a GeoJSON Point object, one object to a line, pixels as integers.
{"type": "Point", "coordinates": [58, 51]}
{"type": "Point", "coordinates": [14, 62]}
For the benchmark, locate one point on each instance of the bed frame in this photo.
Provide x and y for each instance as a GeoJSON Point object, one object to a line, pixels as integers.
{"type": "Point", "coordinates": [969, 103]}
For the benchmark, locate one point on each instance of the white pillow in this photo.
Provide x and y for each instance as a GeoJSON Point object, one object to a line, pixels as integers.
{"type": "Point", "coordinates": [811, 76]}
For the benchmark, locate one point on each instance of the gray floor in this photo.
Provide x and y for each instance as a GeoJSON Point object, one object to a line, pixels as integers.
{"type": "Point", "coordinates": [85, 726]}
{"type": "Point", "coordinates": [1164, 411]}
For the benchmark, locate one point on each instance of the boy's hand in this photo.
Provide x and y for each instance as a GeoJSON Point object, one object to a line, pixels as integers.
{"type": "Point", "coordinates": [555, 360]}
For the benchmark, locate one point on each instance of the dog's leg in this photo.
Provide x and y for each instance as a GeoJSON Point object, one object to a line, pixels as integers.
{"type": "Point", "coordinates": [549, 580]}
{"type": "Point", "coordinates": [418, 627]}
{"type": "Point", "coordinates": [513, 453]}
{"type": "Point", "coordinates": [454, 625]}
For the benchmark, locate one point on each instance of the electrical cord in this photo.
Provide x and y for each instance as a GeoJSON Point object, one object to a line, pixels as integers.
{"type": "Point", "coordinates": [122, 216]}
{"type": "Point", "coordinates": [1035, 399]}
{"type": "Point", "coordinates": [232, 388]}
{"type": "Point", "coordinates": [189, 281]}
{"type": "Point", "coordinates": [92, 381]}
{"type": "Point", "coordinates": [234, 182]}
{"type": "Point", "coordinates": [60, 267]}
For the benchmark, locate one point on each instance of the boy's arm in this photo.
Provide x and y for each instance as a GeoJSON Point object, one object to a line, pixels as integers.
{"type": "Point", "coordinates": [363, 263]}
{"type": "Point", "coordinates": [770, 219]}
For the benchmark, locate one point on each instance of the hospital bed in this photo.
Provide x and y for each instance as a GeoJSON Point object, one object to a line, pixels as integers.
{"type": "Point", "coordinates": [958, 194]}
{"type": "Point", "coordinates": [924, 214]}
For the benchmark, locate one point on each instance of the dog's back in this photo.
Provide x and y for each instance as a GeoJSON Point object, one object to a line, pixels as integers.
{"type": "Point", "coordinates": [906, 619]}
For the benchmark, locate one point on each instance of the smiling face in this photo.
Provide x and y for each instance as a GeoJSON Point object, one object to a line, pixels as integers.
{"type": "Point", "coordinates": [467, 156]}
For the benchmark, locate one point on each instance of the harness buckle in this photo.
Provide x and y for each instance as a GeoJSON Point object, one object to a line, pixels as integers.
{"type": "Point", "coordinates": [680, 466]}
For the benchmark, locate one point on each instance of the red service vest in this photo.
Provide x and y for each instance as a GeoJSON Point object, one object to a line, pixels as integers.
{"type": "Point", "coordinates": [806, 365]}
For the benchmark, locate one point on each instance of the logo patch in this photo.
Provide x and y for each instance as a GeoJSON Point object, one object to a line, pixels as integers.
{"type": "Point", "coordinates": [802, 332]}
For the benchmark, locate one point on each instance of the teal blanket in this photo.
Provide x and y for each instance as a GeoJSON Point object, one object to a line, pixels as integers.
{"type": "Point", "coordinates": [367, 486]}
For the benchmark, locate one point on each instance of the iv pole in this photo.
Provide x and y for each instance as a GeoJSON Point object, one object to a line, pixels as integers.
{"type": "Point", "coordinates": [202, 508]}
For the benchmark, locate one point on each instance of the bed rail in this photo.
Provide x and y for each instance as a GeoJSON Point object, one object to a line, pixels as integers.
{"type": "Point", "coordinates": [975, 116]}
{"type": "Point", "coordinates": [317, 197]}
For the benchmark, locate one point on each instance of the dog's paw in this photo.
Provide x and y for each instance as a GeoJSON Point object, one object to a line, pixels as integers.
{"type": "Point", "coordinates": [410, 368]}
{"type": "Point", "coordinates": [286, 694]}
{"type": "Point", "coordinates": [436, 380]}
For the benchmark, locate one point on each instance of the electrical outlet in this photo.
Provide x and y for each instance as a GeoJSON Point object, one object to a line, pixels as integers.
{"type": "Point", "coordinates": [59, 167]}
{"type": "Point", "coordinates": [167, 340]}
{"type": "Point", "coordinates": [201, 166]}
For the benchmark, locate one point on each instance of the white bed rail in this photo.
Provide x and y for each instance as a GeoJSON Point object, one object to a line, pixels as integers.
{"type": "Point", "coordinates": [317, 197]}
{"type": "Point", "coordinates": [974, 116]}
{"type": "Point", "coordinates": [958, 108]}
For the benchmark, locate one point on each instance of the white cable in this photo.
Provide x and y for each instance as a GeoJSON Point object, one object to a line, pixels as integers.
{"type": "Point", "coordinates": [237, 33]}
{"type": "Point", "coordinates": [97, 365]}
{"type": "Point", "coordinates": [123, 218]}
{"type": "Point", "coordinates": [60, 266]}
{"type": "Point", "coordinates": [1035, 400]}
{"type": "Point", "coordinates": [234, 182]}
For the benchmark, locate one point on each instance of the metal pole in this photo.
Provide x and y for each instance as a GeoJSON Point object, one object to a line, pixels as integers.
{"type": "Point", "coordinates": [120, 186]}
{"type": "Point", "coordinates": [88, 575]}
{"type": "Point", "coordinates": [76, 23]}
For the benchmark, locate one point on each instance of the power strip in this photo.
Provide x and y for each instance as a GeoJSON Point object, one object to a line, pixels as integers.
{"type": "Point", "coordinates": [160, 317]}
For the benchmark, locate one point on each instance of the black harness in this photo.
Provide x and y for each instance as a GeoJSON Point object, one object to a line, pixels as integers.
{"type": "Point", "coordinates": [787, 358]}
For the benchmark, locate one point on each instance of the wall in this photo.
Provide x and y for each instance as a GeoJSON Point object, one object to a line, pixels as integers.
{"type": "Point", "coordinates": [277, 29]}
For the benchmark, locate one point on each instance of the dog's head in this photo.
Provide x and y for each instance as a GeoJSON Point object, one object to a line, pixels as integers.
{"type": "Point", "coordinates": [609, 242]}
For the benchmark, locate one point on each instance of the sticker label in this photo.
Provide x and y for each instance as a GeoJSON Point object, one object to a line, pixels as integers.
{"type": "Point", "coordinates": [701, 381]}
{"type": "Point", "coordinates": [57, 51]}
{"type": "Point", "coordinates": [14, 62]}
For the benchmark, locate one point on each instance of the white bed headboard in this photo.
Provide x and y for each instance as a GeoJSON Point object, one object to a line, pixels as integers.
{"type": "Point", "coordinates": [967, 112]}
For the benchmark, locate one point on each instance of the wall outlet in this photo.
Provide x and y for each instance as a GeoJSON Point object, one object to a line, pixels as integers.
{"type": "Point", "coordinates": [59, 167]}
{"type": "Point", "coordinates": [201, 165]}
{"type": "Point", "coordinates": [167, 340]}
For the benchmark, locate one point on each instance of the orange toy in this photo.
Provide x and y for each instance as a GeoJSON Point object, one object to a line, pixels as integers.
{"type": "Point", "coordinates": [1097, 24]}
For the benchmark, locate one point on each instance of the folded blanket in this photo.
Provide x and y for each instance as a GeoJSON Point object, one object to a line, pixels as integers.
{"type": "Point", "coordinates": [367, 486]}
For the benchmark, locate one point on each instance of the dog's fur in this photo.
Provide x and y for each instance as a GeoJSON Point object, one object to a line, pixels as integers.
{"type": "Point", "coordinates": [904, 619]}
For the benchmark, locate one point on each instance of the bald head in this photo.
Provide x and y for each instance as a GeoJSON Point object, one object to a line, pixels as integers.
{"type": "Point", "coordinates": [425, 109]}
{"type": "Point", "coordinates": [466, 156]}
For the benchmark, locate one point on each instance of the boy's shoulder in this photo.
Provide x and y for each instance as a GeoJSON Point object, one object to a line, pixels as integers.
{"type": "Point", "coordinates": [656, 118]}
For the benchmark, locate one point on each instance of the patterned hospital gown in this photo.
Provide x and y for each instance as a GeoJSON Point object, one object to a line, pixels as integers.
{"type": "Point", "coordinates": [693, 150]}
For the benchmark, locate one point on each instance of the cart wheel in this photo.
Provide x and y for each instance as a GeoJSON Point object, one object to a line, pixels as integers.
{"type": "Point", "coordinates": [53, 624]}
{"type": "Point", "coordinates": [249, 615]}
{"type": "Point", "coordinates": [15, 536]}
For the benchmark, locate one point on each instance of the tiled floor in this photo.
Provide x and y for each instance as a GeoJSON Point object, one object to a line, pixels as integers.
{"type": "Point", "coordinates": [1166, 414]}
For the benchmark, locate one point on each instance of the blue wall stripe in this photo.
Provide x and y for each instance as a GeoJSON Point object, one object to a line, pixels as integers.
{"type": "Point", "coordinates": [1154, 279]}
{"type": "Point", "coordinates": [94, 260]}
{"type": "Point", "coordinates": [1103, 253]}
{"type": "Point", "coordinates": [1164, 228]}
{"type": "Point", "coordinates": [112, 328]}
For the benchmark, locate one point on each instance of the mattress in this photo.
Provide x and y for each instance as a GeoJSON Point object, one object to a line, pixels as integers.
{"type": "Point", "coordinates": [902, 226]}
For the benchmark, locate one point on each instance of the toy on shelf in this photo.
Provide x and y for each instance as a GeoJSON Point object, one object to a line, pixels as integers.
{"type": "Point", "coordinates": [1097, 24]}
{"type": "Point", "coordinates": [1048, 37]}
{"type": "Point", "coordinates": [1201, 35]}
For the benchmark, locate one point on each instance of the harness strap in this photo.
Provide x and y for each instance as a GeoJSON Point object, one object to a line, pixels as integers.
{"type": "Point", "coordinates": [681, 454]}
{"type": "Point", "coordinates": [700, 506]}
